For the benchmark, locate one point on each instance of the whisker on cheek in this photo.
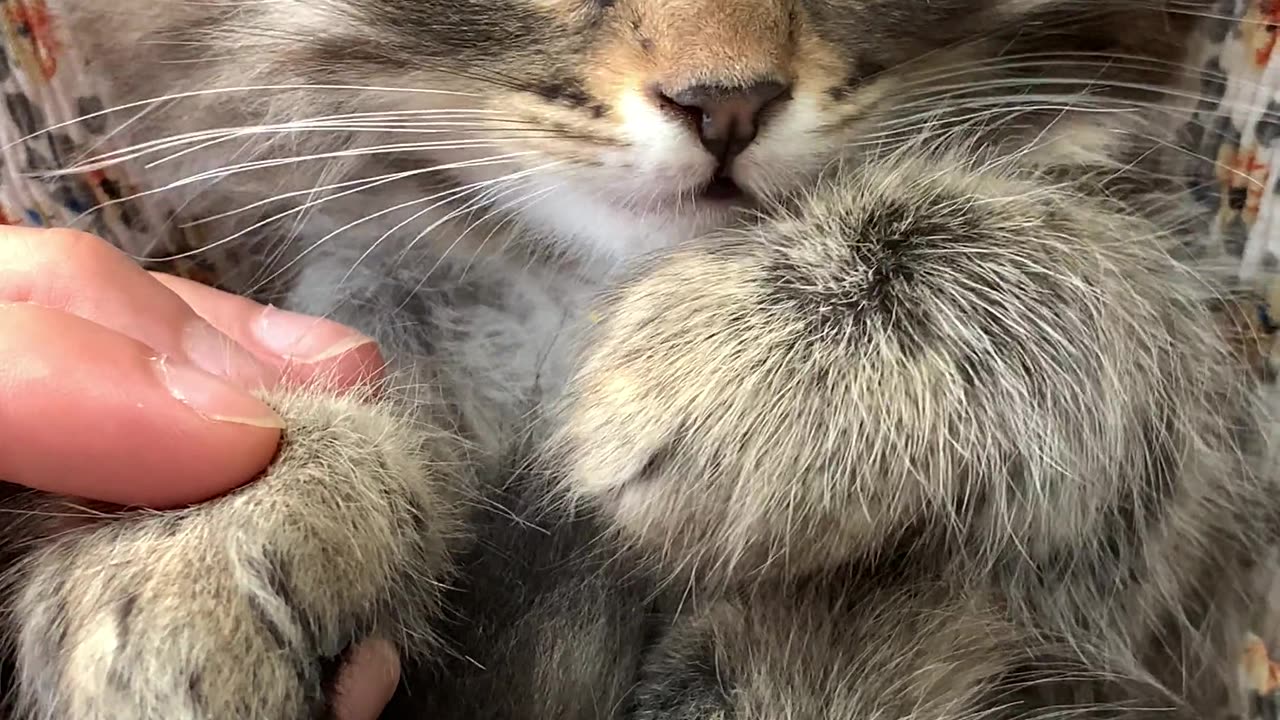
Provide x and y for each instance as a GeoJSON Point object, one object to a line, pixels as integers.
{"type": "Point", "coordinates": [509, 210]}
{"type": "Point", "coordinates": [1032, 64]}
{"type": "Point", "coordinates": [364, 183]}
{"type": "Point", "coordinates": [499, 189]}
{"type": "Point", "coordinates": [381, 180]}
{"type": "Point", "coordinates": [443, 198]}
{"type": "Point", "coordinates": [220, 175]}
{"type": "Point", "coordinates": [336, 126]}
{"type": "Point", "coordinates": [248, 89]}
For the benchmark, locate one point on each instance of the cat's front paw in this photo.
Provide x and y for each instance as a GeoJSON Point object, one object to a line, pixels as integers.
{"type": "Point", "coordinates": [920, 346]}
{"type": "Point", "coordinates": [232, 609]}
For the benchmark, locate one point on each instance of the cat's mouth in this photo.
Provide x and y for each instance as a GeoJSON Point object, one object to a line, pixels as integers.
{"type": "Point", "coordinates": [722, 188]}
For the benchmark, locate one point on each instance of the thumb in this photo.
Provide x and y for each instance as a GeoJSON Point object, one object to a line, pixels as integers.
{"type": "Point", "coordinates": [92, 413]}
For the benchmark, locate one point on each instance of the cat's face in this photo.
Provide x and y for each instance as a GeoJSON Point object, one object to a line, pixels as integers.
{"type": "Point", "coordinates": [616, 126]}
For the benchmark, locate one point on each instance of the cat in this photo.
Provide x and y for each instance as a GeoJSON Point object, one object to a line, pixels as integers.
{"type": "Point", "coordinates": [747, 359]}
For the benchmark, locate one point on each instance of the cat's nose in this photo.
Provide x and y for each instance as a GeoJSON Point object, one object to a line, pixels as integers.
{"type": "Point", "coordinates": [726, 118]}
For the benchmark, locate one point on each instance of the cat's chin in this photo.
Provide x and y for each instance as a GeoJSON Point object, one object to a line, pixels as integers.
{"type": "Point", "coordinates": [588, 225]}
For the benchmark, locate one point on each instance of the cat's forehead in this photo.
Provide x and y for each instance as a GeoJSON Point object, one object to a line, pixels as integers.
{"type": "Point", "coordinates": [676, 41]}
{"type": "Point", "coordinates": [676, 26]}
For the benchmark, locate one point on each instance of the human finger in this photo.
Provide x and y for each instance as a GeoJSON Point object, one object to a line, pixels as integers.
{"type": "Point", "coordinates": [93, 413]}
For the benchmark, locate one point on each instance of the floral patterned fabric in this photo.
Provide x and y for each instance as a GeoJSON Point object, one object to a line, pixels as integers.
{"type": "Point", "coordinates": [47, 86]}
{"type": "Point", "coordinates": [54, 115]}
{"type": "Point", "coordinates": [1237, 127]}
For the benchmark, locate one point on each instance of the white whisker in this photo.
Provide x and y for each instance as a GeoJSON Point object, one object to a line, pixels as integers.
{"type": "Point", "coordinates": [226, 90]}
{"type": "Point", "coordinates": [470, 187]}
{"type": "Point", "coordinates": [213, 136]}
{"type": "Point", "coordinates": [380, 181]}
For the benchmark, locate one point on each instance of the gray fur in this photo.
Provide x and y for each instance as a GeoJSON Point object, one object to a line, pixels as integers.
{"type": "Point", "coordinates": [946, 426]}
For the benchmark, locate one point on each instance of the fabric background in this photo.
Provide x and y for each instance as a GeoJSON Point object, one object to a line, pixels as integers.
{"type": "Point", "coordinates": [47, 86]}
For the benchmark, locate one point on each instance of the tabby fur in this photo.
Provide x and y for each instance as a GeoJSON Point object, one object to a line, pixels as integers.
{"type": "Point", "coordinates": [942, 423]}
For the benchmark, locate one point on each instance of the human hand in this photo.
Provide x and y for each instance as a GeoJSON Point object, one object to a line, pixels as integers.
{"type": "Point", "coordinates": [115, 381]}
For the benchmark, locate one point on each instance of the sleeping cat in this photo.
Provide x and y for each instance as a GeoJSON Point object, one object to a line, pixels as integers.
{"type": "Point", "coordinates": [750, 359]}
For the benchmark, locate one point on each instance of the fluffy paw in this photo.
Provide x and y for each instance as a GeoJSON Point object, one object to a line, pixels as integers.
{"type": "Point", "coordinates": [832, 652]}
{"type": "Point", "coordinates": [226, 610]}
{"type": "Point", "coordinates": [926, 345]}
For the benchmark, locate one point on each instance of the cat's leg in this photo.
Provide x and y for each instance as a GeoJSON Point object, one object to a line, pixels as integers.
{"type": "Point", "coordinates": [862, 645]}
{"type": "Point", "coordinates": [227, 610]}
{"type": "Point", "coordinates": [924, 343]}
{"type": "Point", "coordinates": [829, 651]}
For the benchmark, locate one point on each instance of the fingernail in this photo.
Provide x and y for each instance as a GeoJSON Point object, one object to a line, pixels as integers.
{"type": "Point", "coordinates": [304, 338]}
{"type": "Point", "coordinates": [217, 354]}
{"type": "Point", "coordinates": [212, 397]}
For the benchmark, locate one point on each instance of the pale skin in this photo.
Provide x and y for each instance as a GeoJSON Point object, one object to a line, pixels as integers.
{"type": "Point", "coordinates": [139, 386]}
